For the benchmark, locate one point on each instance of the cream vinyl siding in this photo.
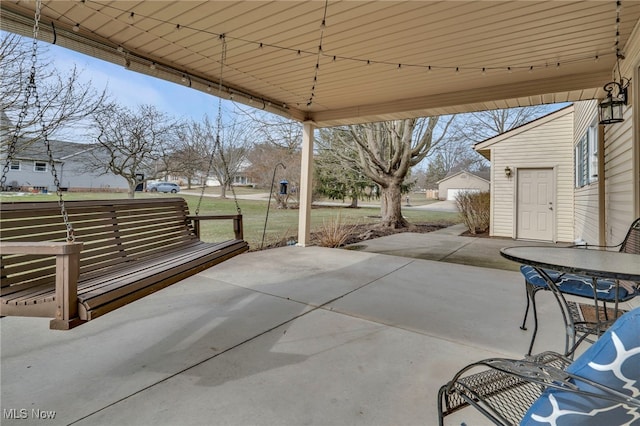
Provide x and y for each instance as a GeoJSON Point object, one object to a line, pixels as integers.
{"type": "Point", "coordinates": [622, 155]}
{"type": "Point", "coordinates": [619, 179]}
{"type": "Point", "coordinates": [585, 198]}
{"type": "Point", "coordinates": [545, 143]}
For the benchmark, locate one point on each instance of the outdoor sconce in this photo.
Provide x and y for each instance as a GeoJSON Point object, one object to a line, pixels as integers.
{"type": "Point", "coordinates": [611, 109]}
{"type": "Point", "coordinates": [507, 171]}
{"type": "Point", "coordinates": [283, 187]}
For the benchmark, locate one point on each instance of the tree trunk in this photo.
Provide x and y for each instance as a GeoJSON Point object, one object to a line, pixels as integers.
{"type": "Point", "coordinates": [223, 191]}
{"type": "Point", "coordinates": [354, 202]}
{"type": "Point", "coordinates": [132, 189]}
{"type": "Point", "coordinates": [390, 206]}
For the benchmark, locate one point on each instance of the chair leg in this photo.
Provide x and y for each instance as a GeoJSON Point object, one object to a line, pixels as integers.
{"type": "Point", "coordinates": [531, 292]}
{"type": "Point", "coordinates": [526, 311]}
{"type": "Point", "coordinates": [441, 402]}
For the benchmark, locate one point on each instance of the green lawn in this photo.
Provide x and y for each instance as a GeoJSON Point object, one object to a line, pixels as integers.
{"type": "Point", "coordinates": [282, 223]}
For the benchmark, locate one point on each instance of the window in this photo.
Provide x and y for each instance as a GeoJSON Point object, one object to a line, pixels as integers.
{"type": "Point", "coordinates": [586, 156]}
{"type": "Point", "coordinates": [40, 166]}
{"type": "Point", "coordinates": [15, 165]}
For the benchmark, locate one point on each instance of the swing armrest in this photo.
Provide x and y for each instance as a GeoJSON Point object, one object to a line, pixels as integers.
{"type": "Point", "coordinates": [40, 248]}
{"type": "Point", "coordinates": [237, 223]}
{"type": "Point", "coordinates": [67, 272]}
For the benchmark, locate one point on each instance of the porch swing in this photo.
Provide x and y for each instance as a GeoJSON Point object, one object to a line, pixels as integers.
{"type": "Point", "coordinates": [74, 261]}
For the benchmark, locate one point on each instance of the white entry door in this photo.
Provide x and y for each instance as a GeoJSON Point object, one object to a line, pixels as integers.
{"type": "Point", "coordinates": [535, 208]}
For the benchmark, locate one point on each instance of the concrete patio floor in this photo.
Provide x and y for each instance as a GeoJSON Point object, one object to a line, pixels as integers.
{"type": "Point", "coordinates": [288, 336]}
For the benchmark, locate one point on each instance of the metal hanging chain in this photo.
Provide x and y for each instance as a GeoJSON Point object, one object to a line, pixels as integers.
{"type": "Point", "coordinates": [223, 57]}
{"type": "Point", "coordinates": [31, 90]}
{"type": "Point", "coordinates": [206, 176]}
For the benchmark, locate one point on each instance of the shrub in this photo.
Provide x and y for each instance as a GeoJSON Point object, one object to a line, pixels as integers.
{"type": "Point", "coordinates": [475, 210]}
{"type": "Point", "coordinates": [334, 232]}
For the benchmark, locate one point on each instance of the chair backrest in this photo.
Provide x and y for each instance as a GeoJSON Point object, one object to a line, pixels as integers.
{"type": "Point", "coordinates": [631, 243]}
{"type": "Point", "coordinates": [614, 361]}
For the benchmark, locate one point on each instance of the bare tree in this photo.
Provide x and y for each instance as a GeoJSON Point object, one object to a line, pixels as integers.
{"type": "Point", "coordinates": [66, 103]}
{"type": "Point", "coordinates": [131, 142]}
{"type": "Point", "coordinates": [337, 171]}
{"type": "Point", "coordinates": [278, 131]}
{"type": "Point", "coordinates": [387, 151]}
{"type": "Point", "coordinates": [226, 146]}
{"type": "Point", "coordinates": [276, 140]}
{"type": "Point", "coordinates": [264, 159]}
{"type": "Point", "coordinates": [192, 153]}
{"type": "Point", "coordinates": [457, 154]}
{"type": "Point", "coordinates": [478, 126]}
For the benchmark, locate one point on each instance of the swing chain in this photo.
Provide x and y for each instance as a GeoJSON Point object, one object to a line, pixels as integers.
{"type": "Point", "coordinates": [223, 56]}
{"type": "Point", "coordinates": [31, 89]}
{"type": "Point", "coordinates": [10, 155]}
{"type": "Point", "coordinates": [25, 104]}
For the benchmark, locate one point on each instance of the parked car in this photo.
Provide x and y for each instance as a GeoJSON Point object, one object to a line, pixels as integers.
{"type": "Point", "coordinates": [163, 187]}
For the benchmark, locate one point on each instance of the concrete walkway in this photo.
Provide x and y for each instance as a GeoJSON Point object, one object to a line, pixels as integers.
{"type": "Point", "coordinates": [288, 336]}
{"type": "Point", "coordinates": [447, 245]}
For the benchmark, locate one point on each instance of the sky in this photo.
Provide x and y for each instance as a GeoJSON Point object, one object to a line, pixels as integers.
{"type": "Point", "coordinates": [132, 89]}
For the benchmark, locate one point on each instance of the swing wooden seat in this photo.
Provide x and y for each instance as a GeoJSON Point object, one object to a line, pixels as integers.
{"type": "Point", "coordinates": [124, 250]}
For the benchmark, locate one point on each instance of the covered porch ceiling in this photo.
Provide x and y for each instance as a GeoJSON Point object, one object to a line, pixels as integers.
{"type": "Point", "coordinates": [340, 62]}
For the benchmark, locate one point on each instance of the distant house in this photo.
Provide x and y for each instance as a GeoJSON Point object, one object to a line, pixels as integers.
{"type": "Point", "coordinates": [30, 168]}
{"type": "Point", "coordinates": [462, 181]}
{"type": "Point", "coordinates": [241, 176]}
{"type": "Point", "coordinates": [532, 179]}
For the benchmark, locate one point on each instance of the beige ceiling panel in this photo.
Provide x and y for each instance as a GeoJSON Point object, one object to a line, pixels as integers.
{"type": "Point", "coordinates": [183, 37]}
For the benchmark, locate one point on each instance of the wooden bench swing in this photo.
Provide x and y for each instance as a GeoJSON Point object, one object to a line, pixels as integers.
{"type": "Point", "coordinates": [125, 249]}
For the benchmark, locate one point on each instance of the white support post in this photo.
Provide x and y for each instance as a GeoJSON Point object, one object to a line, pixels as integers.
{"type": "Point", "coordinates": [306, 182]}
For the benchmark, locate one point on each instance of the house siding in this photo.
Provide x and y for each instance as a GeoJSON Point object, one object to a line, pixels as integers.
{"type": "Point", "coordinates": [586, 210]}
{"type": "Point", "coordinates": [619, 179]}
{"type": "Point", "coordinates": [547, 145]}
{"type": "Point", "coordinates": [622, 155]}
{"type": "Point", "coordinates": [71, 175]}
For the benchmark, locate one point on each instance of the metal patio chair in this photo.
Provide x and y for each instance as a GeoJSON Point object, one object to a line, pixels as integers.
{"type": "Point", "coordinates": [582, 286]}
{"type": "Point", "coordinates": [600, 387]}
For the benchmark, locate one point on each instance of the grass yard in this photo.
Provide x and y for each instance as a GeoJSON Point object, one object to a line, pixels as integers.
{"type": "Point", "coordinates": [282, 224]}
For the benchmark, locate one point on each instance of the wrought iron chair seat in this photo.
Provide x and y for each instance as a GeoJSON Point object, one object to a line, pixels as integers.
{"type": "Point", "coordinates": [605, 290]}
{"type": "Point", "coordinates": [579, 285]}
{"type": "Point", "coordinates": [599, 387]}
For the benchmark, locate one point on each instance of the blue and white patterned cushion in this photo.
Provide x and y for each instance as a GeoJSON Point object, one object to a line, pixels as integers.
{"type": "Point", "coordinates": [614, 360]}
{"type": "Point", "coordinates": [578, 285]}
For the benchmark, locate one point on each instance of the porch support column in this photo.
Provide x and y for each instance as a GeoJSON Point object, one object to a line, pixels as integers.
{"type": "Point", "coordinates": [306, 185]}
{"type": "Point", "coordinates": [602, 200]}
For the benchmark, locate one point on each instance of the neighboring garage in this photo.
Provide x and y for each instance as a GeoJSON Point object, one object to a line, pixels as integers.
{"type": "Point", "coordinates": [465, 181]}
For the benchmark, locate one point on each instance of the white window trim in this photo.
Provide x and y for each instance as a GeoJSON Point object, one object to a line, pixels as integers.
{"type": "Point", "coordinates": [35, 167]}
{"type": "Point", "coordinates": [592, 133]}
{"type": "Point", "coordinates": [15, 166]}
{"type": "Point", "coordinates": [586, 157]}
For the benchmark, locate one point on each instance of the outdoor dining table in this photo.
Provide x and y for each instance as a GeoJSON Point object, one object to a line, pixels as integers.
{"type": "Point", "coordinates": [592, 263]}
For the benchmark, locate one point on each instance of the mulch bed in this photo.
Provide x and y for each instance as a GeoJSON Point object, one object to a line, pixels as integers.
{"type": "Point", "coordinates": [365, 232]}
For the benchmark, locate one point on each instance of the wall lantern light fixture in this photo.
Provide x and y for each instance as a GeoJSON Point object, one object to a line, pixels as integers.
{"type": "Point", "coordinates": [612, 107]}
{"type": "Point", "coordinates": [507, 171]}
